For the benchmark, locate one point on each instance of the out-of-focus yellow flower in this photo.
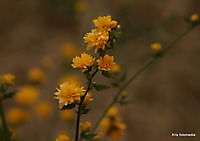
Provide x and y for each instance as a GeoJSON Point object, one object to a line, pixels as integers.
{"type": "Point", "coordinates": [113, 112]}
{"type": "Point", "coordinates": [7, 79]}
{"type": "Point", "coordinates": [105, 23]}
{"type": "Point", "coordinates": [69, 50]}
{"type": "Point", "coordinates": [47, 63]}
{"type": "Point", "coordinates": [83, 62]}
{"type": "Point", "coordinates": [66, 115]}
{"type": "Point", "coordinates": [62, 137]}
{"type": "Point", "coordinates": [85, 126]}
{"type": "Point", "coordinates": [68, 93]}
{"type": "Point", "coordinates": [70, 78]}
{"type": "Point", "coordinates": [194, 17]}
{"type": "Point", "coordinates": [96, 39]}
{"type": "Point", "coordinates": [36, 75]}
{"type": "Point", "coordinates": [156, 47]}
{"type": "Point", "coordinates": [26, 96]}
{"type": "Point", "coordinates": [116, 69]}
{"type": "Point", "coordinates": [80, 6]}
{"type": "Point", "coordinates": [88, 98]}
{"type": "Point", "coordinates": [43, 109]}
{"type": "Point", "coordinates": [106, 63]}
{"type": "Point", "coordinates": [17, 116]}
{"type": "Point", "coordinates": [112, 126]}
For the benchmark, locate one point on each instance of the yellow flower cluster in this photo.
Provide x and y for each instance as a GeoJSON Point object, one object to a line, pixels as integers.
{"type": "Point", "coordinates": [62, 137]}
{"type": "Point", "coordinates": [68, 93]}
{"type": "Point", "coordinates": [98, 38]}
{"type": "Point", "coordinates": [111, 125]}
{"type": "Point", "coordinates": [26, 96]}
{"type": "Point", "coordinates": [7, 79]}
{"type": "Point", "coordinates": [83, 62]}
{"type": "Point", "coordinates": [17, 116]}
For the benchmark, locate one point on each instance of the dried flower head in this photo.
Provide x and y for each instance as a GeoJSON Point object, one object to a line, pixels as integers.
{"type": "Point", "coordinates": [106, 63]}
{"type": "Point", "coordinates": [83, 62]}
{"type": "Point", "coordinates": [68, 93]}
{"type": "Point", "coordinates": [7, 79]}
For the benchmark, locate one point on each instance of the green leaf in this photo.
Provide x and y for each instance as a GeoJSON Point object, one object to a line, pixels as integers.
{"type": "Point", "coordinates": [106, 74]}
{"type": "Point", "coordinates": [88, 136]}
{"type": "Point", "coordinates": [100, 87]}
{"type": "Point", "coordinates": [9, 94]}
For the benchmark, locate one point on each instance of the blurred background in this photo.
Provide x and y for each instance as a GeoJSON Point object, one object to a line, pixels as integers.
{"type": "Point", "coordinates": [34, 34]}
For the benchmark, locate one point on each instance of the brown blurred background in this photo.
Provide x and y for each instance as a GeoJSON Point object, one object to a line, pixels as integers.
{"type": "Point", "coordinates": [166, 96]}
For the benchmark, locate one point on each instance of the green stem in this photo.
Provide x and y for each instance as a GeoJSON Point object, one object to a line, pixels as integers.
{"type": "Point", "coordinates": [137, 73]}
{"type": "Point", "coordinates": [6, 133]}
{"type": "Point", "coordinates": [81, 103]}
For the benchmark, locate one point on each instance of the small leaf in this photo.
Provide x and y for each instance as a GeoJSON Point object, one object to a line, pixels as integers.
{"type": "Point", "coordinates": [9, 94]}
{"type": "Point", "coordinates": [106, 74]}
{"type": "Point", "coordinates": [115, 84]}
{"type": "Point", "coordinates": [69, 106]}
{"type": "Point", "coordinates": [100, 87]}
{"type": "Point", "coordinates": [88, 136]}
{"type": "Point", "coordinates": [84, 110]}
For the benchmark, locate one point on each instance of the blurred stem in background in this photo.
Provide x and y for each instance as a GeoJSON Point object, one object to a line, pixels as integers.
{"type": "Point", "coordinates": [146, 65]}
{"type": "Point", "coordinates": [5, 130]}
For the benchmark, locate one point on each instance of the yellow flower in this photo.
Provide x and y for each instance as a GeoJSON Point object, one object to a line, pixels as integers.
{"type": "Point", "coordinates": [62, 137]}
{"type": "Point", "coordinates": [17, 116]}
{"type": "Point", "coordinates": [96, 39]}
{"type": "Point", "coordinates": [7, 79]}
{"type": "Point", "coordinates": [113, 112]}
{"type": "Point", "coordinates": [70, 78]}
{"type": "Point", "coordinates": [36, 75]}
{"type": "Point", "coordinates": [83, 62]}
{"type": "Point", "coordinates": [85, 126]}
{"type": "Point", "coordinates": [66, 115]}
{"type": "Point", "coordinates": [156, 47]}
{"type": "Point", "coordinates": [88, 98]}
{"type": "Point", "coordinates": [69, 50]}
{"type": "Point", "coordinates": [26, 96]}
{"type": "Point", "coordinates": [111, 125]}
{"type": "Point", "coordinates": [68, 93]}
{"type": "Point", "coordinates": [43, 109]}
{"type": "Point", "coordinates": [106, 63]}
{"type": "Point", "coordinates": [194, 17]}
{"type": "Point", "coordinates": [105, 23]}
{"type": "Point", "coordinates": [116, 69]}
